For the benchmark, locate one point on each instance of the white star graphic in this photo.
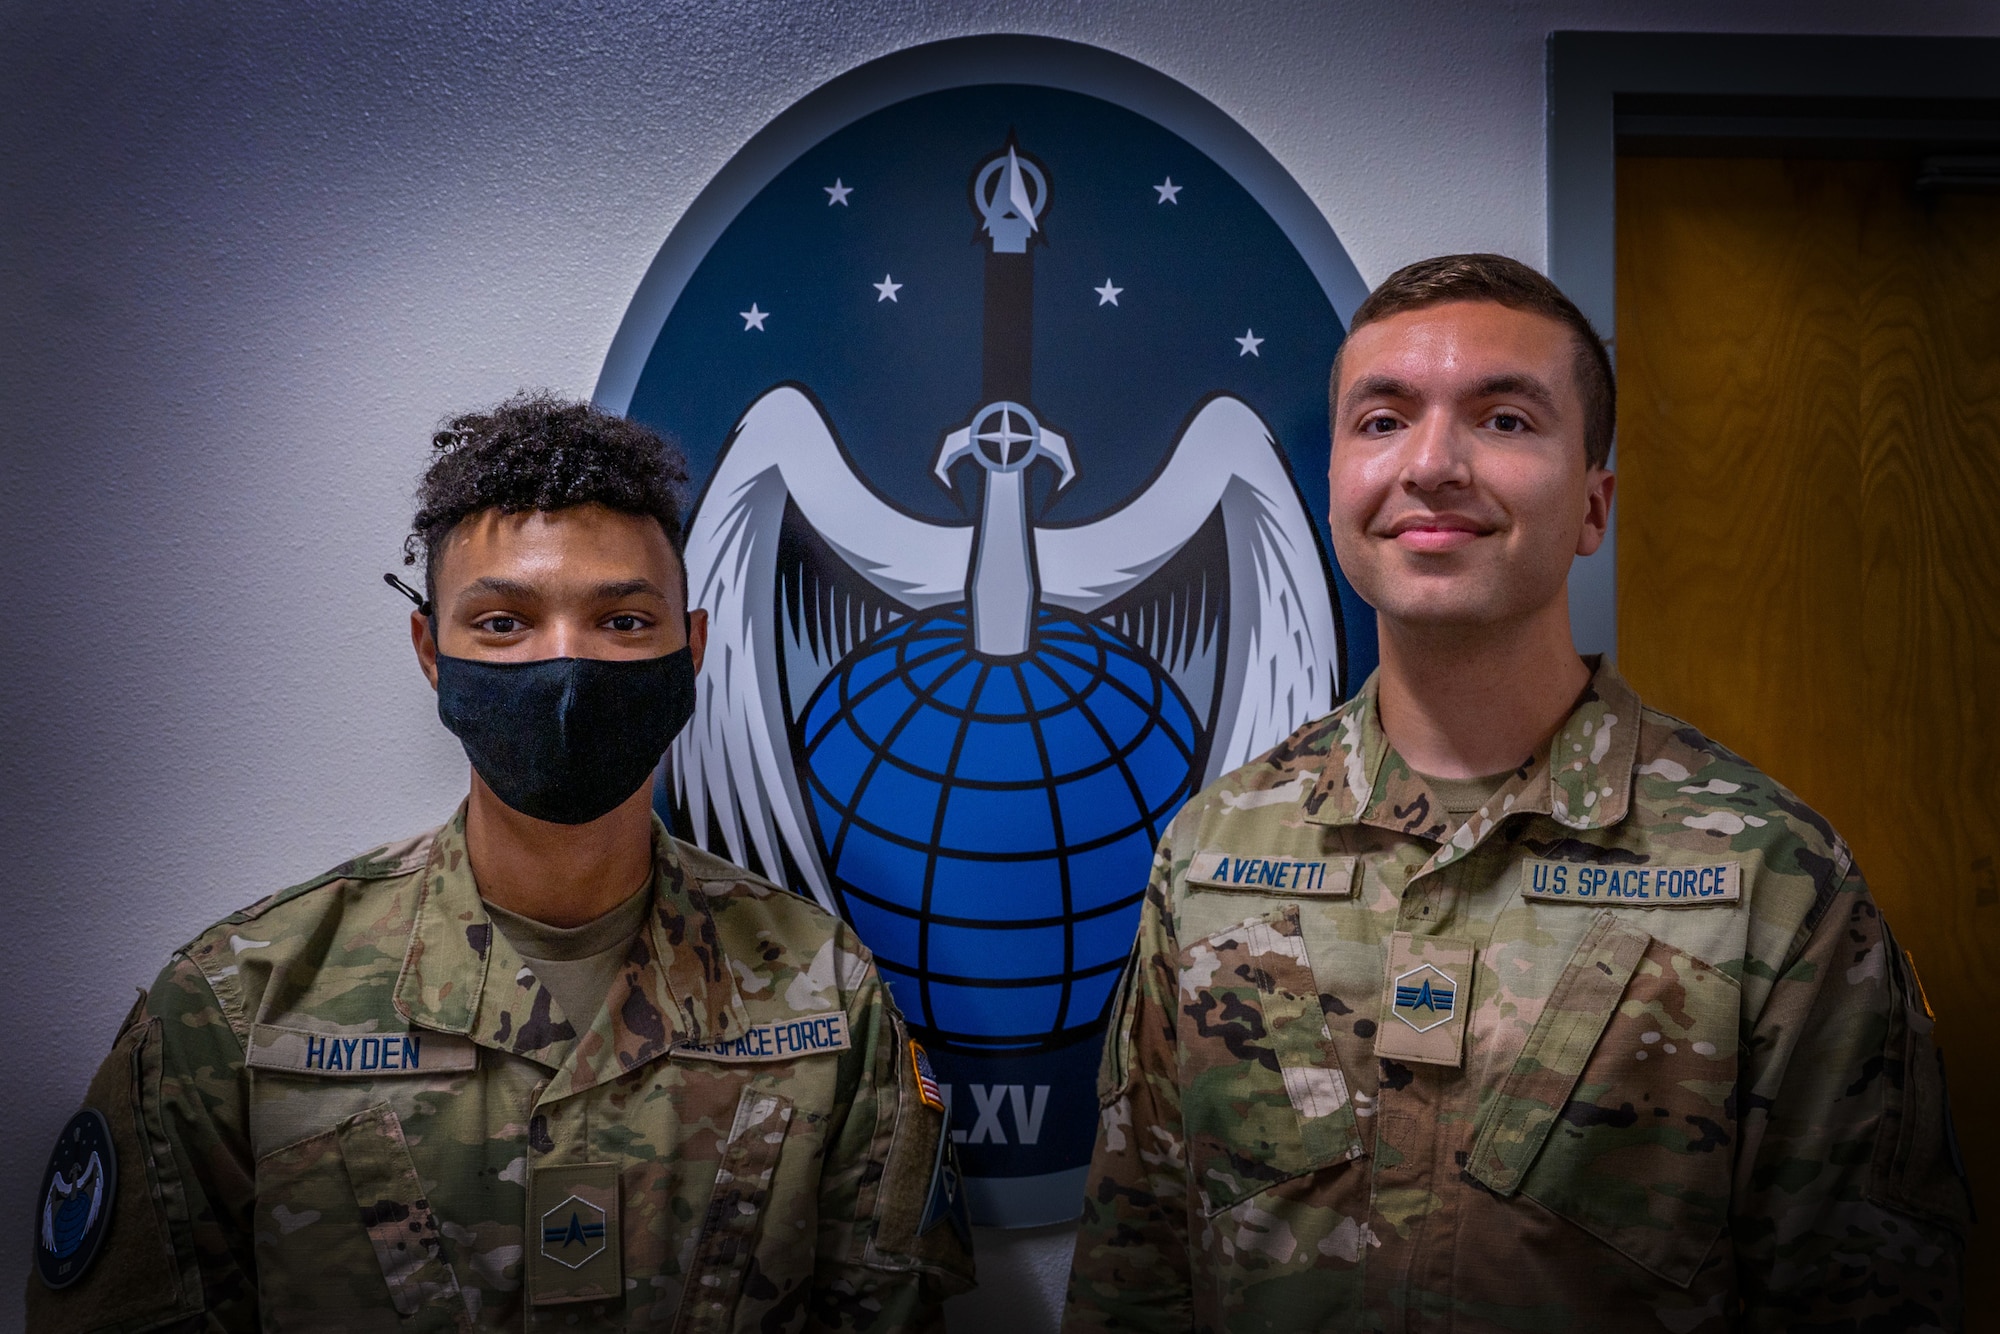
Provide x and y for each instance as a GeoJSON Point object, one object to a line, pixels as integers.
{"type": "Point", "coordinates": [1169, 192]}
{"type": "Point", "coordinates": [754, 318]}
{"type": "Point", "coordinates": [1107, 295]}
{"type": "Point", "coordinates": [1250, 342]}
{"type": "Point", "coordinates": [886, 290]}
{"type": "Point", "coordinates": [837, 193]}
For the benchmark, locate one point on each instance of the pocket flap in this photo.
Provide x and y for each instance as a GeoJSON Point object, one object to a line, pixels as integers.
{"type": "Point", "coordinates": [736, 1209]}
{"type": "Point", "coordinates": [1524, 1108]}
{"type": "Point", "coordinates": [1263, 1097]}
{"type": "Point", "coordinates": [404, 1230]}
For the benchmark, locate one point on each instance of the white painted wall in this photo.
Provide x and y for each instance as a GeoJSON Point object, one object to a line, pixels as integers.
{"type": "Point", "coordinates": [251, 253]}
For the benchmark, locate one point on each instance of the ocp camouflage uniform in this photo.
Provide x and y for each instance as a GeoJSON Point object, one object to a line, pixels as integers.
{"type": "Point", "coordinates": [353, 1107]}
{"type": "Point", "coordinates": [1719, 1111]}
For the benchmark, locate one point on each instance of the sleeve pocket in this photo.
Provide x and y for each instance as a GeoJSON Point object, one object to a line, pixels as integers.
{"type": "Point", "coordinates": [1916, 1167]}
{"type": "Point", "coordinates": [1263, 1097]}
{"type": "Point", "coordinates": [146, 1272]}
{"type": "Point", "coordinates": [1618, 1114]}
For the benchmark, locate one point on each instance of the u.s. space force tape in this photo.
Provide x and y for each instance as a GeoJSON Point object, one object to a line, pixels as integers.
{"type": "Point", "coordinates": [358, 1055]}
{"type": "Point", "coordinates": [781, 1040]}
{"type": "Point", "coordinates": [1620, 886]}
{"type": "Point", "coordinates": [1273, 873]}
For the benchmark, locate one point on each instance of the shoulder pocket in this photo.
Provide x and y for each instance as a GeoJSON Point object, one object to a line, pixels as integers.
{"type": "Point", "coordinates": [141, 1274]}
{"type": "Point", "coordinates": [1263, 1097]}
{"type": "Point", "coordinates": [1114, 1067]}
{"type": "Point", "coordinates": [343, 1224]}
{"type": "Point", "coordinates": [1617, 1114]}
{"type": "Point", "coordinates": [1916, 1167]}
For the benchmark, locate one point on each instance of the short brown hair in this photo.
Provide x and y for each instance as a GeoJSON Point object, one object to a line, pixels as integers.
{"type": "Point", "coordinates": [1510, 283]}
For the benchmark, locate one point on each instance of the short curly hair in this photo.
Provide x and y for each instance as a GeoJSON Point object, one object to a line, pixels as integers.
{"type": "Point", "coordinates": [540, 452]}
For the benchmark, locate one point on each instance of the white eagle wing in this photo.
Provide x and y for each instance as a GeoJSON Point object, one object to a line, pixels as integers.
{"type": "Point", "coordinates": [733, 764]}
{"type": "Point", "coordinates": [1283, 638]}
{"type": "Point", "coordinates": [94, 1178]}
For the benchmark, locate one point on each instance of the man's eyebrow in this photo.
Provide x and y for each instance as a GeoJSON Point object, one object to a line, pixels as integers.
{"type": "Point", "coordinates": [517, 591]}
{"type": "Point", "coordinates": [1377, 386]}
{"type": "Point", "coordinates": [625, 588]}
{"type": "Point", "coordinates": [1518, 386]}
{"type": "Point", "coordinates": [506, 588]}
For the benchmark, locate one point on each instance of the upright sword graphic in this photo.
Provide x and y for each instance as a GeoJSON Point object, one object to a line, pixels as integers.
{"type": "Point", "coordinates": [1004, 436]}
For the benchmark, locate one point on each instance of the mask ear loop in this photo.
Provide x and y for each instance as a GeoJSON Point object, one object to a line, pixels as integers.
{"type": "Point", "coordinates": [421, 602]}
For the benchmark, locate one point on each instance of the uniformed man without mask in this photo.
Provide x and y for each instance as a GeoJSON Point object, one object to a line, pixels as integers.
{"type": "Point", "coordinates": [1497, 1000]}
{"type": "Point", "coordinates": [543, 1066]}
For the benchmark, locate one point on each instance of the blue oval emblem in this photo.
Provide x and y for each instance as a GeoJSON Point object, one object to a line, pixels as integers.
{"type": "Point", "coordinates": [74, 1207]}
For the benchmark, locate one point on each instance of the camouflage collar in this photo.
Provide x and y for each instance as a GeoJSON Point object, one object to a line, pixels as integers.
{"type": "Point", "coordinates": [1583, 781]}
{"type": "Point", "coordinates": [460, 975]}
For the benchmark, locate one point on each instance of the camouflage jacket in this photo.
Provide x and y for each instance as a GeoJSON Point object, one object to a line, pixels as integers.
{"type": "Point", "coordinates": [1630, 1049]}
{"type": "Point", "coordinates": [352, 1107]}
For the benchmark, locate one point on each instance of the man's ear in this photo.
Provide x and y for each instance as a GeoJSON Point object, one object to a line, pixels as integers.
{"type": "Point", "coordinates": [697, 636]}
{"type": "Point", "coordinates": [425, 644]}
{"type": "Point", "coordinates": [1598, 486]}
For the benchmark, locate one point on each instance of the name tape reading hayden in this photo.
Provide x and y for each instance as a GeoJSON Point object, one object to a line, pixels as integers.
{"type": "Point", "coordinates": [1632, 886]}
{"type": "Point", "coordinates": [357, 1056]}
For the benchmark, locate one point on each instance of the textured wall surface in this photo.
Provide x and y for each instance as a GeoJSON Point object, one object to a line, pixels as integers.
{"type": "Point", "coordinates": [250, 254]}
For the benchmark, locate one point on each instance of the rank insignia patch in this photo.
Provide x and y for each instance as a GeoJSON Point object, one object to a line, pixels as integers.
{"type": "Point", "coordinates": [1424, 998]}
{"type": "Point", "coordinates": [578, 1256]}
{"type": "Point", "coordinates": [927, 1085]}
{"type": "Point", "coordinates": [573, 1232]}
{"type": "Point", "coordinates": [75, 1202]}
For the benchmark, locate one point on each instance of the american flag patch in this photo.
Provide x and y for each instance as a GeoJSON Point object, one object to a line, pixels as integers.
{"type": "Point", "coordinates": [927, 1087]}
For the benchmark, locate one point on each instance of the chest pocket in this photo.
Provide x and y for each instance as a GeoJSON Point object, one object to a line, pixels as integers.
{"type": "Point", "coordinates": [736, 1209]}
{"type": "Point", "coordinates": [1263, 1098]}
{"type": "Point", "coordinates": [344, 1229]}
{"type": "Point", "coordinates": [1618, 1114]}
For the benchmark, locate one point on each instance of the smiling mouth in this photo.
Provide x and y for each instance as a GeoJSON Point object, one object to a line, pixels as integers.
{"type": "Point", "coordinates": [1435, 533]}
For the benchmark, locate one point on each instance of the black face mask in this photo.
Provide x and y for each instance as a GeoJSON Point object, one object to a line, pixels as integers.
{"type": "Point", "coordinates": [566, 739]}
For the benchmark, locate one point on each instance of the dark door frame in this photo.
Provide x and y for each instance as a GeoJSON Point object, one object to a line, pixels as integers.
{"type": "Point", "coordinates": [1826, 91]}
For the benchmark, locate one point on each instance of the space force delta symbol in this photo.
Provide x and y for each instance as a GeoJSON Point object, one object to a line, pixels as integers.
{"type": "Point", "coordinates": [1010, 408]}
{"type": "Point", "coordinates": [577, 1223]}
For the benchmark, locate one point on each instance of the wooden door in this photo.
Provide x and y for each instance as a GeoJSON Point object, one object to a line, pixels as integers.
{"type": "Point", "coordinates": [1809, 539]}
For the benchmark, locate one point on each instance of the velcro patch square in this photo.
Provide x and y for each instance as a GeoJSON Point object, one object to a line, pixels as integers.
{"type": "Point", "coordinates": [574, 1248]}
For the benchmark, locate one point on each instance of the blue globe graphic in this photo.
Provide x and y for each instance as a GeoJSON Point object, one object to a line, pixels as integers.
{"type": "Point", "coordinates": [989, 824]}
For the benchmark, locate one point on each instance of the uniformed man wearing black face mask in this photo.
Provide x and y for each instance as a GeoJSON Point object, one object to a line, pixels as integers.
{"type": "Point", "coordinates": [544, 1062]}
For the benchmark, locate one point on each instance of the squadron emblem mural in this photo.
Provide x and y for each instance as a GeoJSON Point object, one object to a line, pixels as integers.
{"type": "Point", "coordinates": [994, 393]}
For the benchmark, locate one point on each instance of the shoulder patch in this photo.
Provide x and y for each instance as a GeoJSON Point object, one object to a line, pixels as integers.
{"type": "Point", "coordinates": [74, 1208]}
{"type": "Point", "coordinates": [927, 1085]}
